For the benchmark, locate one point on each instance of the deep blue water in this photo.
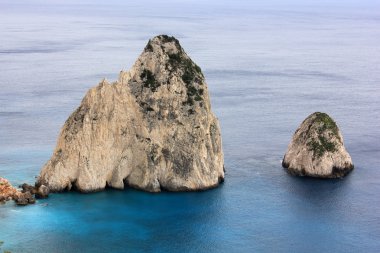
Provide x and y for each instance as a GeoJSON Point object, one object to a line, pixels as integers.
{"type": "Point", "coordinates": [268, 66]}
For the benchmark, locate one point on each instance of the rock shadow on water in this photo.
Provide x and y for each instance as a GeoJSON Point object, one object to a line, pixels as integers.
{"type": "Point", "coordinates": [318, 208]}
{"type": "Point", "coordinates": [324, 195]}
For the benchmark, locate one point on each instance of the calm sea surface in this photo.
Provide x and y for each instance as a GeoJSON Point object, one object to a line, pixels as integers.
{"type": "Point", "coordinates": [268, 64]}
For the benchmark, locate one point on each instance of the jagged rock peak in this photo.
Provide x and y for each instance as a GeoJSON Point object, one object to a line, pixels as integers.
{"type": "Point", "coordinates": [317, 149]}
{"type": "Point", "coordinates": [153, 129]}
{"type": "Point", "coordinates": [163, 42]}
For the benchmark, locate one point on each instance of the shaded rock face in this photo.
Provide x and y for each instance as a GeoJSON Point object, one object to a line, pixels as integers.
{"type": "Point", "coordinates": [42, 192]}
{"type": "Point", "coordinates": [28, 188]}
{"type": "Point", "coordinates": [317, 149]}
{"type": "Point", "coordinates": [153, 129]}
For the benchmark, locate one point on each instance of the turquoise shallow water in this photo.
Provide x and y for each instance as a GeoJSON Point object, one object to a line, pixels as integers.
{"type": "Point", "coordinates": [268, 66]}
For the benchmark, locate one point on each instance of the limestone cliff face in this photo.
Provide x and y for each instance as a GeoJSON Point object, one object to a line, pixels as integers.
{"type": "Point", "coordinates": [317, 149]}
{"type": "Point", "coordinates": [153, 129]}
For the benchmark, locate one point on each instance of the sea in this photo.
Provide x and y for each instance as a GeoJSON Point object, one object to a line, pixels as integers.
{"type": "Point", "coordinates": [268, 65]}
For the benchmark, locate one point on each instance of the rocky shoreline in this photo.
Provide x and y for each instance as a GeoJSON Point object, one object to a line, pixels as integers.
{"type": "Point", "coordinates": [24, 196]}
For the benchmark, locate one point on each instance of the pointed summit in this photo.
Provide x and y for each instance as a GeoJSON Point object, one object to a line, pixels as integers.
{"type": "Point", "coordinates": [165, 65]}
{"type": "Point", "coordinates": [163, 42]}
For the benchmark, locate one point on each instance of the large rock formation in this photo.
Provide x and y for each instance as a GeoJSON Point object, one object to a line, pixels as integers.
{"type": "Point", "coordinates": [153, 129]}
{"type": "Point", "coordinates": [317, 149]}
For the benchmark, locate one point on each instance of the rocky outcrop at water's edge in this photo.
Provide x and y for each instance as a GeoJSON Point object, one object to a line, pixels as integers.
{"type": "Point", "coordinates": [27, 195]}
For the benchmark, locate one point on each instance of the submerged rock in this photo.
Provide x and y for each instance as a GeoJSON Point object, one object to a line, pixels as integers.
{"type": "Point", "coordinates": [40, 191]}
{"type": "Point", "coordinates": [153, 129]}
{"type": "Point", "coordinates": [317, 149]}
{"type": "Point", "coordinates": [28, 188]}
{"type": "Point", "coordinates": [24, 198]}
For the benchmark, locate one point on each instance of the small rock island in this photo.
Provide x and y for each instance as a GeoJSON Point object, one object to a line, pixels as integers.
{"type": "Point", "coordinates": [153, 130]}
{"type": "Point", "coordinates": [317, 149]}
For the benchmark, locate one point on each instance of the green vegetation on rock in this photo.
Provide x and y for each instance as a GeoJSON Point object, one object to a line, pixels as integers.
{"type": "Point", "coordinates": [320, 146]}
{"type": "Point", "coordinates": [164, 39]}
{"type": "Point", "coordinates": [174, 60]}
{"type": "Point", "coordinates": [149, 81]}
{"type": "Point", "coordinates": [325, 126]}
{"type": "Point", "coordinates": [167, 39]}
{"type": "Point", "coordinates": [191, 74]}
{"type": "Point", "coordinates": [193, 94]}
{"type": "Point", "coordinates": [191, 71]}
{"type": "Point", "coordinates": [148, 47]}
{"type": "Point", "coordinates": [327, 123]}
